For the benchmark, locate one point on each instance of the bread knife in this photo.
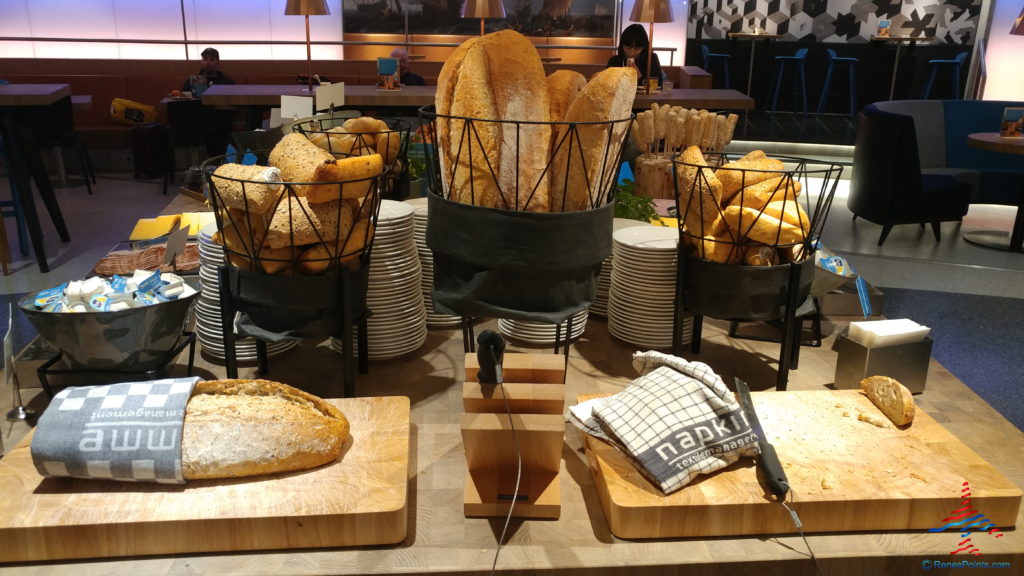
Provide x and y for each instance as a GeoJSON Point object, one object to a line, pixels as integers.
{"type": "Point", "coordinates": [768, 460]}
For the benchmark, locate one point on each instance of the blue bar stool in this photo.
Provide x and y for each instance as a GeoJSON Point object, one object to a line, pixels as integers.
{"type": "Point", "coordinates": [953, 66]}
{"type": "Point", "coordinates": [799, 81]}
{"type": "Point", "coordinates": [851, 65]}
{"type": "Point", "coordinates": [710, 57]}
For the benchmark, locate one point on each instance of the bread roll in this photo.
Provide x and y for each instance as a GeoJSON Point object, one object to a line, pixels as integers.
{"type": "Point", "coordinates": [357, 172]}
{"type": "Point", "coordinates": [742, 173]}
{"type": "Point", "coordinates": [563, 87]}
{"type": "Point", "coordinates": [586, 163]}
{"type": "Point", "coordinates": [236, 428]}
{"type": "Point", "coordinates": [699, 192]}
{"type": "Point", "coordinates": [252, 188]}
{"type": "Point", "coordinates": [389, 145]}
{"type": "Point", "coordinates": [717, 248]}
{"type": "Point", "coordinates": [760, 227]}
{"type": "Point", "coordinates": [297, 158]}
{"type": "Point", "coordinates": [497, 164]}
{"type": "Point", "coordinates": [278, 260]}
{"type": "Point", "coordinates": [891, 397]}
{"type": "Point", "coordinates": [759, 255]}
{"type": "Point", "coordinates": [790, 212]}
{"type": "Point", "coordinates": [773, 189]}
{"type": "Point", "coordinates": [298, 222]}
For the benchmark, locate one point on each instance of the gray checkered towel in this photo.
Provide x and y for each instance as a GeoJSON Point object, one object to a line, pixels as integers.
{"type": "Point", "coordinates": [675, 421]}
{"type": "Point", "coordinates": [129, 431]}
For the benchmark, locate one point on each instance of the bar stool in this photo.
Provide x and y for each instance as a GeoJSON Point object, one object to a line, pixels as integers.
{"type": "Point", "coordinates": [800, 80]}
{"type": "Point", "coordinates": [953, 66]}
{"type": "Point", "coordinates": [851, 65]}
{"type": "Point", "coordinates": [723, 59]}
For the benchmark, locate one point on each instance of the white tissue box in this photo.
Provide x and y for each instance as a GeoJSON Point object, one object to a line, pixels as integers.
{"type": "Point", "coordinates": [907, 363]}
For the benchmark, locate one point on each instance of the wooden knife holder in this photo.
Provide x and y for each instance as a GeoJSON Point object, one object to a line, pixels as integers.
{"type": "Point", "coordinates": [536, 398]}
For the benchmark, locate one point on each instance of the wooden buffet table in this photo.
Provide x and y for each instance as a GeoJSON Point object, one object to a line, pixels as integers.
{"type": "Point", "coordinates": [441, 539]}
{"type": "Point", "coordinates": [416, 96]}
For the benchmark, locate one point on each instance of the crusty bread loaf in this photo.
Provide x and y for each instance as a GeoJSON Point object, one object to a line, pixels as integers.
{"type": "Point", "coordinates": [248, 187]}
{"type": "Point", "coordinates": [761, 227]}
{"type": "Point", "coordinates": [297, 222]}
{"type": "Point", "coordinates": [239, 428]}
{"type": "Point", "coordinates": [770, 190]}
{"type": "Point", "coordinates": [791, 212]}
{"type": "Point", "coordinates": [891, 397]}
{"type": "Point", "coordinates": [700, 193]}
{"type": "Point", "coordinates": [563, 87]}
{"type": "Point", "coordinates": [496, 164]}
{"type": "Point", "coordinates": [746, 172]}
{"type": "Point", "coordinates": [585, 164]}
{"type": "Point", "coordinates": [356, 172]}
{"type": "Point", "coordinates": [297, 158]}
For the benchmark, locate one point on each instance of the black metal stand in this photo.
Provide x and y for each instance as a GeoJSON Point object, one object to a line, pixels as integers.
{"type": "Point", "coordinates": [46, 370]}
{"type": "Point", "coordinates": [349, 319]}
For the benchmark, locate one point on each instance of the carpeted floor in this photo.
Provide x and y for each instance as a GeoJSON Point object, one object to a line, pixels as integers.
{"type": "Point", "coordinates": [977, 338]}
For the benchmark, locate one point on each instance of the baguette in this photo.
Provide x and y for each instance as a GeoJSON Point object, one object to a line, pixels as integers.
{"type": "Point", "coordinates": [891, 397]}
{"type": "Point", "coordinates": [356, 172]}
{"type": "Point", "coordinates": [236, 428]}
{"type": "Point", "coordinates": [746, 172]}
{"type": "Point", "coordinates": [761, 227]}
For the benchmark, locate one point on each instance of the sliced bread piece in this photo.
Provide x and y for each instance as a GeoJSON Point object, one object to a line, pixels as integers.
{"type": "Point", "coordinates": [891, 397]}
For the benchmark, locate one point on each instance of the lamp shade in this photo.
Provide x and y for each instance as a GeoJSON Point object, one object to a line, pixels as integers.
{"type": "Point", "coordinates": [483, 9]}
{"type": "Point", "coordinates": [656, 11]}
{"type": "Point", "coordinates": [306, 8]}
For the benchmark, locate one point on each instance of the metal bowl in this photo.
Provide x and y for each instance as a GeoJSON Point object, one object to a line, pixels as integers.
{"type": "Point", "coordinates": [132, 340]}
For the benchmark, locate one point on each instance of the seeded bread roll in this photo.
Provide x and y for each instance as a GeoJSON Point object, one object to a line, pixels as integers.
{"type": "Point", "coordinates": [297, 158]}
{"type": "Point", "coordinates": [297, 222]}
{"type": "Point", "coordinates": [891, 397]}
{"type": "Point", "coordinates": [253, 188]}
{"type": "Point", "coordinates": [583, 168]}
{"type": "Point", "coordinates": [236, 428]}
{"type": "Point", "coordinates": [700, 193]}
{"type": "Point", "coordinates": [495, 164]}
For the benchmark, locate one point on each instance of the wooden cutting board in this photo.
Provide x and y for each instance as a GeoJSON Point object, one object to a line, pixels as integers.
{"type": "Point", "coordinates": [359, 500]}
{"type": "Point", "coordinates": [846, 475]}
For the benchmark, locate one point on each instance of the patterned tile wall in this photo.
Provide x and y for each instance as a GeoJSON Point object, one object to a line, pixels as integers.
{"type": "Point", "coordinates": [950, 21]}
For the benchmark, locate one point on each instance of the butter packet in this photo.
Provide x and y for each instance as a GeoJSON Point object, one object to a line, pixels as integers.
{"type": "Point", "coordinates": [50, 295]}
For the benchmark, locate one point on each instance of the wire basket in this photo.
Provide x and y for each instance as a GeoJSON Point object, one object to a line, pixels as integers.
{"type": "Point", "coordinates": [272, 227]}
{"type": "Point", "coordinates": [523, 166]}
{"type": "Point", "coordinates": [760, 212]}
{"type": "Point", "coordinates": [346, 136]}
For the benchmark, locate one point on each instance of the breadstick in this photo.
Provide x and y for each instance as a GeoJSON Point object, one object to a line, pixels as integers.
{"type": "Point", "coordinates": [721, 127]}
{"type": "Point", "coordinates": [708, 137]}
{"type": "Point", "coordinates": [730, 122]}
{"type": "Point", "coordinates": [694, 129]}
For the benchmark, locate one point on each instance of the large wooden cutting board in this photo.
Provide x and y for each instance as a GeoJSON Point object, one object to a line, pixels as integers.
{"type": "Point", "coordinates": [359, 500]}
{"type": "Point", "coordinates": [846, 475]}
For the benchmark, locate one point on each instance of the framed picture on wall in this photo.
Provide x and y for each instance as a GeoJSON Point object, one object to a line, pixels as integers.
{"type": "Point", "coordinates": [1013, 123]}
{"type": "Point", "coordinates": [883, 27]}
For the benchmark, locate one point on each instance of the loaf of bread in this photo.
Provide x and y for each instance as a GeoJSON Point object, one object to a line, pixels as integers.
{"type": "Point", "coordinates": [297, 158]}
{"type": "Point", "coordinates": [297, 222]}
{"type": "Point", "coordinates": [356, 172]}
{"type": "Point", "coordinates": [497, 77]}
{"type": "Point", "coordinates": [700, 193]}
{"type": "Point", "coordinates": [236, 428]}
{"type": "Point", "coordinates": [248, 187]}
{"type": "Point", "coordinates": [770, 190]}
{"type": "Point", "coordinates": [891, 397]}
{"type": "Point", "coordinates": [790, 212]}
{"type": "Point", "coordinates": [586, 163]}
{"type": "Point", "coordinates": [563, 87]}
{"type": "Point", "coordinates": [746, 172]}
{"type": "Point", "coordinates": [760, 227]}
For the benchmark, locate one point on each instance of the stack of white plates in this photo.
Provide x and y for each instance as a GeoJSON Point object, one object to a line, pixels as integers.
{"type": "Point", "coordinates": [398, 323]}
{"type": "Point", "coordinates": [542, 332]}
{"type": "Point", "coordinates": [643, 287]}
{"type": "Point", "coordinates": [434, 319]}
{"type": "Point", "coordinates": [604, 282]}
{"type": "Point", "coordinates": [208, 326]}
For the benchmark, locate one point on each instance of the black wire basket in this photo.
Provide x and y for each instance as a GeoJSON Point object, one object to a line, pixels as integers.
{"type": "Point", "coordinates": [744, 226]}
{"type": "Point", "coordinates": [271, 227]}
{"type": "Point", "coordinates": [523, 166]}
{"type": "Point", "coordinates": [336, 133]}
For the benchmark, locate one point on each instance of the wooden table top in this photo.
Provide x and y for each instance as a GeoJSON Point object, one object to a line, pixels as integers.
{"type": "Point", "coordinates": [32, 94]}
{"type": "Point", "coordinates": [993, 142]}
{"type": "Point", "coordinates": [441, 539]}
{"type": "Point", "coordinates": [416, 96]}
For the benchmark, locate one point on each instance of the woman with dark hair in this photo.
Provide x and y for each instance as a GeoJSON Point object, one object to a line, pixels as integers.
{"type": "Point", "coordinates": [633, 45]}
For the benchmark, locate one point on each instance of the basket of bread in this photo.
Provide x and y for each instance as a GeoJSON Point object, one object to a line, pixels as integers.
{"type": "Point", "coordinates": [298, 210]}
{"type": "Point", "coordinates": [747, 228]}
{"type": "Point", "coordinates": [521, 172]}
{"type": "Point", "coordinates": [362, 136]}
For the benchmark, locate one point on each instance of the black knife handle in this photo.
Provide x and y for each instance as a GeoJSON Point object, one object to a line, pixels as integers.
{"type": "Point", "coordinates": [775, 476]}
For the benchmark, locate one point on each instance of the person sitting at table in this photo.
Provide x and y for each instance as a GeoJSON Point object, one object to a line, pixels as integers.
{"type": "Point", "coordinates": [633, 45]}
{"type": "Point", "coordinates": [210, 72]}
{"type": "Point", "coordinates": [408, 77]}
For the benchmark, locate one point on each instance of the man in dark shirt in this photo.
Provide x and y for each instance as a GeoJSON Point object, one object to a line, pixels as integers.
{"type": "Point", "coordinates": [210, 71]}
{"type": "Point", "coordinates": [408, 77]}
